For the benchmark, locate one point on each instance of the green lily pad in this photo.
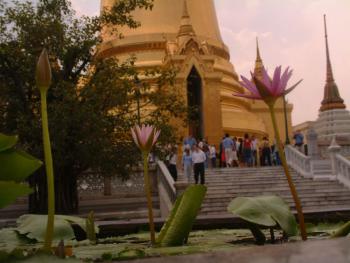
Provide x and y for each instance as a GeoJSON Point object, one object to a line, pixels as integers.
{"type": "Point", "coordinates": [267, 211]}
{"type": "Point", "coordinates": [180, 221]}
{"type": "Point", "coordinates": [16, 165]}
{"type": "Point", "coordinates": [342, 231]}
{"type": "Point", "coordinates": [7, 142]}
{"type": "Point", "coordinates": [34, 226]}
{"type": "Point", "coordinates": [9, 191]}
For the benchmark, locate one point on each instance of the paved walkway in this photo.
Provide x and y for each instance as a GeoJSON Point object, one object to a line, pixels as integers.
{"type": "Point", "coordinates": [326, 251]}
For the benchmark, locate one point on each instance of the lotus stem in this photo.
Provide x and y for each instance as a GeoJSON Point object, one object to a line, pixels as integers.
{"type": "Point", "coordinates": [149, 197]}
{"type": "Point", "coordinates": [289, 178]}
{"type": "Point", "coordinates": [49, 173]}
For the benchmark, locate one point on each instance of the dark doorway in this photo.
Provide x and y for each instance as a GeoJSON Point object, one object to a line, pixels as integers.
{"type": "Point", "coordinates": [194, 100]}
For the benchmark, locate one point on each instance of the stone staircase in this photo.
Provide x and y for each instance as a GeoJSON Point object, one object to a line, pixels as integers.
{"type": "Point", "coordinates": [316, 196]}
{"type": "Point", "coordinates": [114, 207]}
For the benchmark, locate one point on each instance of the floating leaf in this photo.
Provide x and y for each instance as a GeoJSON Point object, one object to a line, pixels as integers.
{"type": "Point", "coordinates": [34, 226]}
{"type": "Point", "coordinates": [265, 210]}
{"type": "Point", "coordinates": [343, 231]}
{"type": "Point", "coordinates": [179, 224]}
{"type": "Point", "coordinates": [17, 165]}
{"type": "Point", "coordinates": [7, 142]}
{"type": "Point", "coordinates": [9, 191]}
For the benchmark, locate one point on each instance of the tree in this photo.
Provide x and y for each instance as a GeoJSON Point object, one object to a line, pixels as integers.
{"type": "Point", "coordinates": [91, 102]}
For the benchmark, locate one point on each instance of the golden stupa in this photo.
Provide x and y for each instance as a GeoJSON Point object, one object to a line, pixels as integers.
{"type": "Point", "coordinates": [186, 34]}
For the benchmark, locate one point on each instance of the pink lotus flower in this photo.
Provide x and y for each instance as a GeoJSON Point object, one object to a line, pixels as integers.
{"type": "Point", "coordinates": [145, 137]}
{"type": "Point", "coordinates": [267, 89]}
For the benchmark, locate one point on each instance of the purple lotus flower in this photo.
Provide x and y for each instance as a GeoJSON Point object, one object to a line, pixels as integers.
{"type": "Point", "coordinates": [268, 89]}
{"type": "Point", "coordinates": [145, 137]}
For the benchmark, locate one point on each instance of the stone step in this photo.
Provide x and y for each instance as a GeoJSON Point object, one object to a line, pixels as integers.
{"type": "Point", "coordinates": [305, 203]}
{"type": "Point", "coordinates": [142, 213]}
{"type": "Point", "coordinates": [126, 204]}
{"type": "Point", "coordinates": [307, 206]}
{"type": "Point", "coordinates": [106, 204]}
{"type": "Point", "coordinates": [255, 192]}
{"type": "Point", "coordinates": [284, 194]}
{"type": "Point", "coordinates": [228, 185]}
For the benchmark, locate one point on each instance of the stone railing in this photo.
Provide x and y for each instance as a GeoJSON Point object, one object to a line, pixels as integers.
{"type": "Point", "coordinates": [96, 185]}
{"type": "Point", "coordinates": [342, 169]}
{"type": "Point", "coordinates": [298, 161]}
{"type": "Point", "coordinates": [166, 189]}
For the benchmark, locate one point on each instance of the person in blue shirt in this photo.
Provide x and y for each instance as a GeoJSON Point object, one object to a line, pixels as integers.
{"type": "Point", "coordinates": [299, 141]}
{"type": "Point", "coordinates": [189, 140]}
{"type": "Point", "coordinates": [227, 145]}
{"type": "Point", "coordinates": [187, 163]}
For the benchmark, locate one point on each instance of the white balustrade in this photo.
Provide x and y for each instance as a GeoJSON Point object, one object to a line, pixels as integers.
{"type": "Point", "coordinates": [342, 169]}
{"type": "Point", "coordinates": [166, 189]}
{"type": "Point", "coordinates": [298, 161]}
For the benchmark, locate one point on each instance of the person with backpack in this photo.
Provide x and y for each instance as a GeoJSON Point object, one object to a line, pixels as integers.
{"type": "Point", "coordinates": [247, 150]}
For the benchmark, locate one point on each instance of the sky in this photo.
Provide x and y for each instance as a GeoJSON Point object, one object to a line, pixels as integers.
{"type": "Point", "coordinates": [291, 34]}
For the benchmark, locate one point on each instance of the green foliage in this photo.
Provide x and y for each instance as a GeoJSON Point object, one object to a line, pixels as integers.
{"type": "Point", "coordinates": [180, 221]}
{"type": "Point", "coordinates": [34, 227]}
{"type": "Point", "coordinates": [267, 211]}
{"type": "Point", "coordinates": [342, 231]}
{"type": "Point", "coordinates": [91, 101]}
{"type": "Point", "coordinates": [15, 167]}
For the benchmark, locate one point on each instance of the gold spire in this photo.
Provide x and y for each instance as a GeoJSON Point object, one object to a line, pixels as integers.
{"type": "Point", "coordinates": [258, 58]}
{"type": "Point", "coordinates": [331, 99]}
{"type": "Point", "coordinates": [186, 25]}
{"type": "Point", "coordinates": [259, 65]}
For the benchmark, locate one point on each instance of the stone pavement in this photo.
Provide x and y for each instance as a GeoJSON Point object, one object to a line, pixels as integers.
{"type": "Point", "coordinates": [325, 251]}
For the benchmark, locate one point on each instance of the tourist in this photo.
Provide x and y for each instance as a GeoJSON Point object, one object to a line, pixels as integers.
{"type": "Point", "coordinates": [240, 150]}
{"type": "Point", "coordinates": [189, 140]}
{"type": "Point", "coordinates": [206, 150]}
{"type": "Point", "coordinates": [247, 150]}
{"type": "Point", "coordinates": [235, 162]}
{"type": "Point", "coordinates": [222, 154]}
{"type": "Point", "coordinates": [198, 159]}
{"type": "Point", "coordinates": [173, 162]}
{"type": "Point", "coordinates": [276, 156]}
{"type": "Point", "coordinates": [227, 143]}
{"type": "Point", "coordinates": [254, 151]}
{"type": "Point", "coordinates": [266, 152]}
{"type": "Point", "coordinates": [212, 155]}
{"type": "Point", "coordinates": [187, 163]}
{"type": "Point", "coordinates": [299, 141]}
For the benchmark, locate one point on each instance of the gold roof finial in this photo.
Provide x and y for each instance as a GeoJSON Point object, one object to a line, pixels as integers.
{"type": "Point", "coordinates": [259, 65]}
{"type": "Point", "coordinates": [331, 99]}
{"type": "Point", "coordinates": [185, 10]}
{"type": "Point", "coordinates": [186, 25]}
{"type": "Point", "coordinates": [258, 58]}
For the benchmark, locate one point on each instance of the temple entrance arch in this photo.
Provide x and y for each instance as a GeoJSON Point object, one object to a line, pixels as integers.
{"type": "Point", "coordinates": [195, 104]}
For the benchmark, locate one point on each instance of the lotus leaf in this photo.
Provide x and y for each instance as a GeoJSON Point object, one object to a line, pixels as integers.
{"type": "Point", "coordinates": [9, 191]}
{"type": "Point", "coordinates": [7, 142]}
{"type": "Point", "coordinates": [179, 224]}
{"type": "Point", "coordinates": [17, 165]}
{"type": "Point", "coordinates": [266, 211]}
{"type": "Point", "coordinates": [34, 226]}
{"type": "Point", "coordinates": [342, 231]}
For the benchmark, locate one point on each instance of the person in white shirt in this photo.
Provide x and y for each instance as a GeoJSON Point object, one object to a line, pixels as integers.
{"type": "Point", "coordinates": [212, 155]}
{"type": "Point", "coordinates": [254, 151]}
{"type": "Point", "coordinates": [198, 159]}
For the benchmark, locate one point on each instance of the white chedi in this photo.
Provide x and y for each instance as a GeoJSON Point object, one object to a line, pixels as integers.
{"type": "Point", "coordinates": [333, 123]}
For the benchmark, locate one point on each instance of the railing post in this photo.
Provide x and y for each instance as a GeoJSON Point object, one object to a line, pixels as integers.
{"type": "Point", "coordinates": [181, 184]}
{"type": "Point", "coordinates": [333, 150]}
{"type": "Point", "coordinates": [312, 144]}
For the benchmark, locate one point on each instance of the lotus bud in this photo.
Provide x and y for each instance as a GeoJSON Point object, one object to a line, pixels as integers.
{"type": "Point", "coordinates": [43, 72]}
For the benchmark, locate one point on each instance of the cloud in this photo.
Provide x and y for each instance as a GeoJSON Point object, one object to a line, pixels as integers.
{"type": "Point", "coordinates": [86, 7]}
